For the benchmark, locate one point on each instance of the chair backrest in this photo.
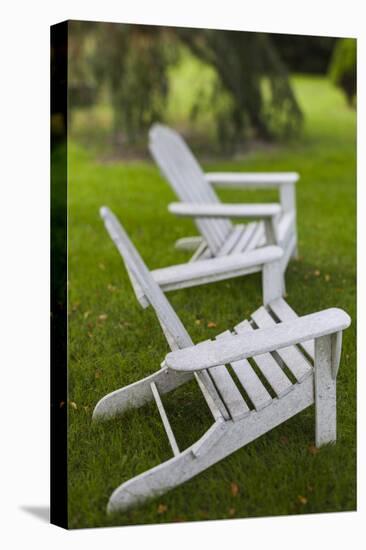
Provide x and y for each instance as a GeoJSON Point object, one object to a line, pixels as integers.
{"type": "Point", "coordinates": [143, 282]}
{"type": "Point", "coordinates": [181, 169]}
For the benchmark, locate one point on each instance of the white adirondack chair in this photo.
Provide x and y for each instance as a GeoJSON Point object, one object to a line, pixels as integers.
{"type": "Point", "coordinates": [219, 237]}
{"type": "Point", "coordinates": [296, 362]}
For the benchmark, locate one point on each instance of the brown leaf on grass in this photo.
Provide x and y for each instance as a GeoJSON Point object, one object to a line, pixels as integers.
{"type": "Point", "coordinates": [211, 324]}
{"type": "Point", "coordinates": [162, 508]}
{"type": "Point", "coordinates": [317, 273]}
{"type": "Point", "coordinates": [327, 277]}
{"type": "Point", "coordinates": [86, 408]}
{"type": "Point", "coordinates": [97, 374]}
{"type": "Point", "coordinates": [103, 317]}
{"type": "Point", "coordinates": [302, 500]}
{"type": "Point", "coordinates": [86, 314]}
{"type": "Point", "coordinates": [73, 405]}
{"type": "Point", "coordinates": [312, 449]}
{"type": "Point", "coordinates": [284, 439]}
{"type": "Point", "coordinates": [90, 335]}
{"type": "Point", "coordinates": [231, 511]}
{"type": "Point", "coordinates": [234, 489]}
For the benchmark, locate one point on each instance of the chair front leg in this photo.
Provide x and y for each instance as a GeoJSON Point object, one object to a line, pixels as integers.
{"type": "Point", "coordinates": [325, 391]}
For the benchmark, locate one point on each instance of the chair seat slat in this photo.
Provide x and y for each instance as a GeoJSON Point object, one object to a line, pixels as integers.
{"type": "Point", "coordinates": [250, 381]}
{"type": "Point", "coordinates": [291, 356]}
{"type": "Point", "coordinates": [284, 312]}
{"type": "Point", "coordinates": [269, 368]}
{"type": "Point", "coordinates": [229, 392]}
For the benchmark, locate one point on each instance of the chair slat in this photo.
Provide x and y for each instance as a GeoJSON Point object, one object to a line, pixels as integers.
{"type": "Point", "coordinates": [270, 369]}
{"type": "Point", "coordinates": [291, 356]}
{"type": "Point", "coordinates": [182, 170]}
{"type": "Point", "coordinates": [244, 238]}
{"type": "Point", "coordinates": [284, 312]}
{"type": "Point", "coordinates": [257, 238]}
{"type": "Point", "coordinates": [249, 379]}
{"type": "Point", "coordinates": [231, 241]}
{"type": "Point", "coordinates": [229, 392]}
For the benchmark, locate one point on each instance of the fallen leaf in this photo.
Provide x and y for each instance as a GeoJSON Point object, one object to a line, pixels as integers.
{"type": "Point", "coordinates": [310, 488]}
{"type": "Point", "coordinates": [317, 273]}
{"type": "Point", "coordinates": [284, 439]}
{"type": "Point", "coordinates": [327, 277]}
{"type": "Point", "coordinates": [234, 489]}
{"type": "Point", "coordinates": [232, 511]}
{"type": "Point", "coordinates": [90, 335]}
{"type": "Point", "coordinates": [211, 324]}
{"type": "Point", "coordinates": [97, 374]}
{"type": "Point", "coordinates": [86, 408]}
{"type": "Point", "coordinates": [103, 317]}
{"type": "Point", "coordinates": [86, 314]}
{"type": "Point", "coordinates": [312, 449]}
{"type": "Point", "coordinates": [198, 321]}
{"type": "Point", "coordinates": [162, 508]}
{"type": "Point", "coordinates": [73, 405]}
{"type": "Point", "coordinates": [302, 500]}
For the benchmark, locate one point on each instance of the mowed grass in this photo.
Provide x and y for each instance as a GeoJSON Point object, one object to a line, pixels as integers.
{"type": "Point", "coordinates": [113, 342]}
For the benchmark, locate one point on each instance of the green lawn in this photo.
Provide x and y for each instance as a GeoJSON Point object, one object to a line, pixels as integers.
{"type": "Point", "coordinates": [113, 342]}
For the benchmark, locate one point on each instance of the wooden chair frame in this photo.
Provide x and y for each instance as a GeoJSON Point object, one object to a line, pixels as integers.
{"type": "Point", "coordinates": [270, 223]}
{"type": "Point", "coordinates": [298, 357]}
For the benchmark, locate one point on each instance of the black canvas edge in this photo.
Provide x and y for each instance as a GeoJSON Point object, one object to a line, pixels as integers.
{"type": "Point", "coordinates": [58, 258]}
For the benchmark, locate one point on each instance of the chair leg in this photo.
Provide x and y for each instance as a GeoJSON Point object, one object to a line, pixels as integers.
{"type": "Point", "coordinates": [325, 393]}
{"type": "Point", "coordinates": [295, 250]}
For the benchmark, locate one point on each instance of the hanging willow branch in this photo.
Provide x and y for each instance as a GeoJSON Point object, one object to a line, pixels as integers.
{"type": "Point", "coordinates": [251, 72]}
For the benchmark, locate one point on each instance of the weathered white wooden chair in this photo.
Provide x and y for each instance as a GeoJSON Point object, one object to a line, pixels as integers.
{"type": "Point", "coordinates": [294, 363]}
{"type": "Point", "coordinates": [219, 237]}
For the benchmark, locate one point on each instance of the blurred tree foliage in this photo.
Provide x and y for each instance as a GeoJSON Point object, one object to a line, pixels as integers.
{"type": "Point", "coordinates": [251, 72]}
{"type": "Point", "coordinates": [132, 62]}
{"type": "Point", "coordinates": [304, 54]}
{"type": "Point", "coordinates": [343, 67]}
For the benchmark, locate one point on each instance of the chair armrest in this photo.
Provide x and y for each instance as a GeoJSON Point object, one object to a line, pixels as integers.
{"type": "Point", "coordinates": [251, 179]}
{"type": "Point", "coordinates": [216, 267]}
{"type": "Point", "coordinates": [202, 210]}
{"type": "Point", "coordinates": [259, 341]}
